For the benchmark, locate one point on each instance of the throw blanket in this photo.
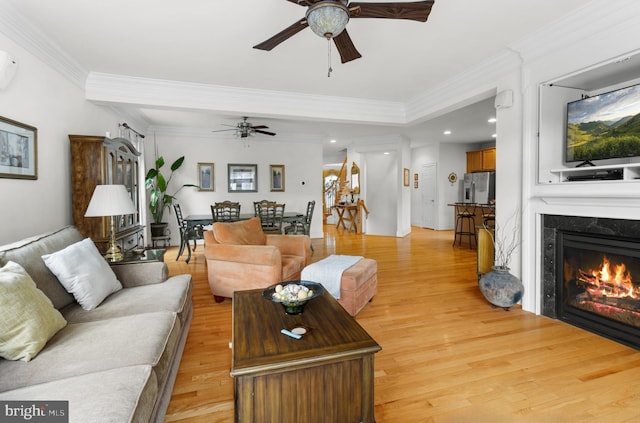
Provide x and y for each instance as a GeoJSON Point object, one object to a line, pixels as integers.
{"type": "Point", "coordinates": [328, 272]}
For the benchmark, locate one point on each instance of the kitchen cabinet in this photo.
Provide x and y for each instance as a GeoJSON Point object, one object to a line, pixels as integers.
{"type": "Point", "coordinates": [481, 160]}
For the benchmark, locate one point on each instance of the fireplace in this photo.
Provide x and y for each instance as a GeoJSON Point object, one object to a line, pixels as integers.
{"type": "Point", "coordinates": [592, 275]}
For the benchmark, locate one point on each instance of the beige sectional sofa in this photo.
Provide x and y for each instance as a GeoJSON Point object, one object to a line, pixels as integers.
{"type": "Point", "coordinates": [115, 363]}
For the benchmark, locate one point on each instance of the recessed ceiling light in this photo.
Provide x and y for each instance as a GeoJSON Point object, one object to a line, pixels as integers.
{"type": "Point", "coordinates": [447, 132]}
{"type": "Point", "coordinates": [494, 135]}
{"type": "Point", "coordinates": [386, 153]}
{"type": "Point", "coordinates": [492, 120]}
{"type": "Point", "coordinates": [333, 141]}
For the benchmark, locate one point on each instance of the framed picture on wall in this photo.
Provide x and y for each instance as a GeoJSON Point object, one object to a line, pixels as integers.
{"type": "Point", "coordinates": [242, 177]}
{"type": "Point", "coordinates": [206, 180]}
{"type": "Point", "coordinates": [406, 177]}
{"type": "Point", "coordinates": [277, 178]}
{"type": "Point", "coordinates": [18, 150]}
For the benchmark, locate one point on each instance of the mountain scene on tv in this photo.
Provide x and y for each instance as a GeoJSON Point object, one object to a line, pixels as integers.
{"type": "Point", "coordinates": [604, 126]}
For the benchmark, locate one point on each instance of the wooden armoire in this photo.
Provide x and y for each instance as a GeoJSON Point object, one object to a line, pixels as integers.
{"type": "Point", "coordinates": [99, 160]}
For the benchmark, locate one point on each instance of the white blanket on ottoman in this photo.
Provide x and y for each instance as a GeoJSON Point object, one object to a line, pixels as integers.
{"type": "Point", "coordinates": [328, 272]}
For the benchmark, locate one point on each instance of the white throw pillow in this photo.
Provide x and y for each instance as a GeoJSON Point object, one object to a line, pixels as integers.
{"type": "Point", "coordinates": [27, 316]}
{"type": "Point", "coordinates": [84, 273]}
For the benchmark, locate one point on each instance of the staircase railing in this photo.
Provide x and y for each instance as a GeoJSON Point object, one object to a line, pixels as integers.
{"type": "Point", "coordinates": [332, 190]}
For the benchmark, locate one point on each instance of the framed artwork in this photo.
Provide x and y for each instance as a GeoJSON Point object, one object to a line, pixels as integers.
{"type": "Point", "coordinates": [206, 180]}
{"type": "Point", "coordinates": [277, 178]}
{"type": "Point", "coordinates": [18, 150]}
{"type": "Point", "coordinates": [406, 177]}
{"type": "Point", "coordinates": [242, 177]}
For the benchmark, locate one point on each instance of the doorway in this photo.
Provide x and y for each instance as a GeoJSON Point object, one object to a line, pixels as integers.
{"type": "Point", "coordinates": [428, 194]}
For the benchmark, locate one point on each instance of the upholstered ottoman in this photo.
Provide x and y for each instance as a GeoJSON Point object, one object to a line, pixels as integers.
{"type": "Point", "coordinates": [358, 285]}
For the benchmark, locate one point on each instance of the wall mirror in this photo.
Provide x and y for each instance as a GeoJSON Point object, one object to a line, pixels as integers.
{"type": "Point", "coordinates": [355, 179]}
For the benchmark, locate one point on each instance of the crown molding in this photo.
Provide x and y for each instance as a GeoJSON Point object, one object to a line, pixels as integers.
{"type": "Point", "coordinates": [110, 88]}
{"type": "Point", "coordinates": [464, 88]}
{"type": "Point", "coordinates": [581, 24]}
{"type": "Point", "coordinates": [14, 25]}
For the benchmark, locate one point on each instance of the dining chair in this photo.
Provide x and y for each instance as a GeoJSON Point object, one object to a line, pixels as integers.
{"type": "Point", "coordinates": [258, 204]}
{"type": "Point", "coordinates": [225, 211]}
{"type": "Point", "coordinates": [186, 234]}
{"type": "Point", "coordinates": [302, 226]}
{"type": "Point", "coordinates": [271, 215]}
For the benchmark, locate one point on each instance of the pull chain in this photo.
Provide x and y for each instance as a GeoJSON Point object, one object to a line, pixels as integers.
{"type": "Point", "coordinates": [329, 54]}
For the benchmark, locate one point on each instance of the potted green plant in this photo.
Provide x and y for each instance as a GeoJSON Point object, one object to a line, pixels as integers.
{"type": "Point", "coordinates": [159, 199]}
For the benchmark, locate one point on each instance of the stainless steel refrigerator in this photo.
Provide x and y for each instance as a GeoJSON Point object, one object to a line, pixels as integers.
{"type": "Point", "coordinates": [478, 187]}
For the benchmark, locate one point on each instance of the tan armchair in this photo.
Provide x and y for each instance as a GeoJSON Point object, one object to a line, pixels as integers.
{"type": "Point", "coordinates": [240, 256]}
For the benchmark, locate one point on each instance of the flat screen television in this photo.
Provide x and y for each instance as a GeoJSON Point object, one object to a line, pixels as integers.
{"type": "Point", "coordinates": [604, 126]}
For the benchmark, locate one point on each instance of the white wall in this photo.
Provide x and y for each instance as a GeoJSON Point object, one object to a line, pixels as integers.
{"type": "Point", "coordinates": [382, 192]}
{"type": "Point", "coordinates": [450, 158]}
{"type": "Point", "coordinates": [404, 200]}
{"type": "Point", "coordinates": [43, 98]}
{"type": "Point", "coordinates": [303, 163]}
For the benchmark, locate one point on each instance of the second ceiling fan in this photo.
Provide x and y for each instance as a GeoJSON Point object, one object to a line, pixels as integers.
{"type": "Point", "coordinates": [328, 18]}
{"type": "Point", "coordinates": [245, 128]}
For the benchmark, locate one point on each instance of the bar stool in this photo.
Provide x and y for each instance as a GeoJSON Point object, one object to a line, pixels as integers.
{"type": "Point", "coordinates": [489, 216]}
{"type": "Point", "coordinates": [465, 223]}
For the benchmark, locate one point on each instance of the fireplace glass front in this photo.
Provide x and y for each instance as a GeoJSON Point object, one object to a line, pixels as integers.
{"type": "Point", "coordinates": [598, 291]}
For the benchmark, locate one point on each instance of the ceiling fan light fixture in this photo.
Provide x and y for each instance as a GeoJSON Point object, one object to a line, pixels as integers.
{"type": "Point", "coordinates": [327, 18]}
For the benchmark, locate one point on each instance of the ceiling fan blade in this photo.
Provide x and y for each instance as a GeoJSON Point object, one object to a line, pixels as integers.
{"type": "Point", "coordinates": [304, 2]}
{"type": "Point", "coordinates": [282, 35]}
{"type": "Point", "coordinates": [260, 127]}
{"type": "Point", "coordinates": [223, 130]}
{"type": "Point", "coordinates": [264, 132]}
{"type": "Point", "coordinates": [415, 11]}
{"type": "Point", "coordinates": [345, 47]}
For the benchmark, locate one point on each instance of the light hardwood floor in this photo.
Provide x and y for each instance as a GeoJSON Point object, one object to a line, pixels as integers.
{"type": "Point", "coordinates": [447, 355]}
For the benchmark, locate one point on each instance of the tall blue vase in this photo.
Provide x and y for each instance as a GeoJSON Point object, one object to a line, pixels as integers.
{"type": "Point", "coordinates": [501, 288]}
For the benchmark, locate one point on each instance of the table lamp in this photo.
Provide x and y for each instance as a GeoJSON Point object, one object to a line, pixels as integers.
{"type": "Point", "coordinates": [111, 200]}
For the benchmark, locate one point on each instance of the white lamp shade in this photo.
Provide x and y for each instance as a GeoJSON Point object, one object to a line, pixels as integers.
{"type": "Point", "coordinates": [110, 200]}
{"type": "Point", "coordinates": [328, 19]}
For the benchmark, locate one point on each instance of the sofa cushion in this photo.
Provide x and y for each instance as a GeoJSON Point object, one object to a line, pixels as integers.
{"type": "Point", "coordinates": [122, 395]}
{"type": "Point", "coordinates": [83, 271]}
{"type": "Point", "coordinates": [173, 295]}
{"type": "Point", "coordinates": [244, 232]}
{"type": "Point", "coordinates": [28, 254]}
{"type": "Point", "coordinates": [82, 348]}
{"type": "Point", "coordinates": [27, 316]}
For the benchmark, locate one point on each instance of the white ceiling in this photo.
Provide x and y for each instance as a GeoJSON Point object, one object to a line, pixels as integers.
{"type": "Point", "coordinates": [210, 42]}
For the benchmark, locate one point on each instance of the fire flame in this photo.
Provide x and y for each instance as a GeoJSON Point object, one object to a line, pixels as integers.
{"type": "Point", "coordinates": [604, 282]}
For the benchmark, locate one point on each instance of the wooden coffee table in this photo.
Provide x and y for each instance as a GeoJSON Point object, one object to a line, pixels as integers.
{"type": "Point", "coordinates": [326, 376]}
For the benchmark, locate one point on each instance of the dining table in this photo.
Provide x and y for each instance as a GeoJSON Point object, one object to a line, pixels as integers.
{"type": "Point", "coordinates": [195, 220]}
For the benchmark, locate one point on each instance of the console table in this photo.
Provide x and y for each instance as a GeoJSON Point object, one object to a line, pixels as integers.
{"type": "Point", "coordinates": [348, 214]}
{"type": "Point", "coordinates": [326, 376]}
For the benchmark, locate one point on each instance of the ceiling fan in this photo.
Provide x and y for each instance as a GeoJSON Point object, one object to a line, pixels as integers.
{"type": "Point", "coordinates": [328, 18]}
{"type": "Point", "coordinates": [244, 129]}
